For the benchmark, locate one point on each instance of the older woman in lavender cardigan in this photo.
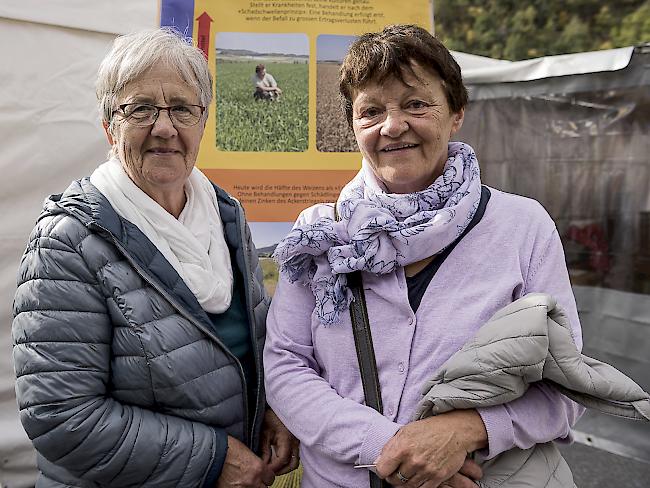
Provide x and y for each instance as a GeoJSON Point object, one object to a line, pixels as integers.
{"type": "Point", "coordinates": [439, 254]}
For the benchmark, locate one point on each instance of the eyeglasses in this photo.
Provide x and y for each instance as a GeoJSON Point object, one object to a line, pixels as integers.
{"type": "Point", "coordinates": [145, 114]}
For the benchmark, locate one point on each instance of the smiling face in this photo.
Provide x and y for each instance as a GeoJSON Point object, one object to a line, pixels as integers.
{"type": "Point", "coordinates": [158, 158]}
{"type": "Point", "coordinates": [403, 129]}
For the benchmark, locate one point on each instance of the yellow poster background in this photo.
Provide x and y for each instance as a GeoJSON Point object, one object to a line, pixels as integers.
{"type": "Point", "coordinates": [275, 185]}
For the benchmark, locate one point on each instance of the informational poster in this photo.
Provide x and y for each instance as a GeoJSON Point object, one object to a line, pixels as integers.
{"type": "Point", "coordinates": [276, 137]}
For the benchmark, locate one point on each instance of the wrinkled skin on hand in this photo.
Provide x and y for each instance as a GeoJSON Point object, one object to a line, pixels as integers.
{"type": "Point", "coordinates": [279, 447]}
{"type": "Point", "coordinates": [433, 452]}
{"type": "Point", "coordinates": [243, 469]}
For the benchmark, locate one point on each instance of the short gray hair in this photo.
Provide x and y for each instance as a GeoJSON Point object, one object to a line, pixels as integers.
{"type": "Point", "coordinates": [133, 54]}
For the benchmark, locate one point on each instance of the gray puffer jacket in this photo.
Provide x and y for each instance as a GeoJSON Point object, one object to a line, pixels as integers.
{"type": "Point", "coordinates": [529, 340]}
{"type": "Point", "coordinates": [121, 380]}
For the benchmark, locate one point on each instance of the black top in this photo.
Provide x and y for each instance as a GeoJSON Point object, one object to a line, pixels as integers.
{"type": "Point", "coordinates": [418, 283]}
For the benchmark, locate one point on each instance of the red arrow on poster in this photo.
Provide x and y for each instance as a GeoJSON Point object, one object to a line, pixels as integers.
{"type": "Point", "coordinates": [203, 39]}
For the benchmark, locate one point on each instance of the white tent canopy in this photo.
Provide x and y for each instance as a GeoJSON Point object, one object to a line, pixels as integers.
{"type": "Point", "coordinates": [479, 69]}
{"type": "Point", "coordinates": [51, 134]}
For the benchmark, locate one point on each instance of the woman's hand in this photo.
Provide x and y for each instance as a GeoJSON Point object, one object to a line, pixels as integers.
{"type": "Point", "coordinates": [433, 452]}
{"type": "Point", "coordinates": [279, 446]}
{"type": "Point", "coordinates": [243, 469]}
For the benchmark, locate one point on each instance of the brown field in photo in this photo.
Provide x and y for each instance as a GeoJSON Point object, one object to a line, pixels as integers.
{"type": "Point", "coordinates": [332, 131]}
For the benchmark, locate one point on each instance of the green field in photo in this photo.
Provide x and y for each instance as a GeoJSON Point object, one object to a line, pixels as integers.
{"type": "Point", "coordinates": [246, 124]}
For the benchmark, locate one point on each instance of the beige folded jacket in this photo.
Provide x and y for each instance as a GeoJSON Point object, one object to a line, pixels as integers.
{"type": "Point", "coordinates": [536, 335]}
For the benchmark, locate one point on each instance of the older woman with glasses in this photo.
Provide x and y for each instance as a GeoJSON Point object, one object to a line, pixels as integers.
{"type": "Point", "coordinates": [140, 310]}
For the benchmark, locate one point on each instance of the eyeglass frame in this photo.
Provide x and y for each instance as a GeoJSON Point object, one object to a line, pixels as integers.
{"type": "Point", "coordinates": [158, 110]}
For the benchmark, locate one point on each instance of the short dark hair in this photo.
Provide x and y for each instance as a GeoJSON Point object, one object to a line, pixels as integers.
{"type": "Point", "coordinates": [376, 56]}
{"type": "Point", "coordinates": [259, 68]}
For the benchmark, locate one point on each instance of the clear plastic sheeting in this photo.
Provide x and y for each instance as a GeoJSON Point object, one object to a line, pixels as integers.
{"type": "Point", "coordinates": [580, 145]}
{"type": "Point", "coordinates": [616, 328]}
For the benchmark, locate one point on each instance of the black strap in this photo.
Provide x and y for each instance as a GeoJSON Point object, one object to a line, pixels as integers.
{"type": "Point", "coordinates": [418, 284]}
{"type": "Point", "coordinates": [478, 215]}
{"type": "Point", "coordinates": [365, 355]}
{"type": "Point", "coordinates": [363, 343]}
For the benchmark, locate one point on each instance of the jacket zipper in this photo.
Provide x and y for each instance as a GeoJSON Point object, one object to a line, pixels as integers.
{"type": "Point", "coordinates": [144, 275]}
{"type": "Point", "coordinates": [251, 320]}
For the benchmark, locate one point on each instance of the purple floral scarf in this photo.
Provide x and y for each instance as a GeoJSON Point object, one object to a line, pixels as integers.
{"type": "Point", "coordinates": [378, 231]}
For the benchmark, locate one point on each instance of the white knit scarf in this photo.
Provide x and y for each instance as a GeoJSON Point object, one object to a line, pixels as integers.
{"type": "Point", "coordinates": [193, 244]}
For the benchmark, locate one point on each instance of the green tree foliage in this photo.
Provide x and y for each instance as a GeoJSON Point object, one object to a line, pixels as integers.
{"type": "Point", "coordinates": [515, 29]}
{"type": "Point", "coordinates": [635, 25]}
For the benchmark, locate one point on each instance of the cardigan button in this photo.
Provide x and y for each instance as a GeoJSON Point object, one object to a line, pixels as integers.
{"type": "Point", "coordinates": [410, 320]}
{"type": "Point", "coordinates": [400, 366]}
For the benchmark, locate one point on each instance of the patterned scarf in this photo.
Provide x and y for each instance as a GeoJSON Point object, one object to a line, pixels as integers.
{"type": "Point", "coordinates": [378, 231]}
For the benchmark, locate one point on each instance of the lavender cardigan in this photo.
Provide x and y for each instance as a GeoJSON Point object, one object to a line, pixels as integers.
{"type": "Point", "coordinates": [312, 377]}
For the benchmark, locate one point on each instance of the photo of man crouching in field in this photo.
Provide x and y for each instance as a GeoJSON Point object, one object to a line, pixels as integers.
{"type": "Point", "coordinates": [244, 63]}
{"type": "Point", "coordinates": [266, 88]}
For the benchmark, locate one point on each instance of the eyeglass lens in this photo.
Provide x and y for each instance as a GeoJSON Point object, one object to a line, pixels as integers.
{"type": "Point", "coordinates": [143, 115]}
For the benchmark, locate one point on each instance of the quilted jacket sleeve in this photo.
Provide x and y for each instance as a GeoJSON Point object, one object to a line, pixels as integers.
{"type": "Point", "coordinates": [542, 414]}
{"type": "Point", "coordinates": [62, 336]}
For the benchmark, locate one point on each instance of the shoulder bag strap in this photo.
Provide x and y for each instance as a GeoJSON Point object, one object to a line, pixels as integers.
{"type": "Point", "coordinates": [363, 343]}
{"type": "Point", "coordinates": [365, 352]}
{"type": "Point", "coordinates": [365, 355]}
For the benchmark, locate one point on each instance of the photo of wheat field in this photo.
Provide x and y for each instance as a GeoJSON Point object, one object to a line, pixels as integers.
{"type": "Point", "coordinates": [332, 131]}
{"type": "Point", "coordinates": [248, 124]}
